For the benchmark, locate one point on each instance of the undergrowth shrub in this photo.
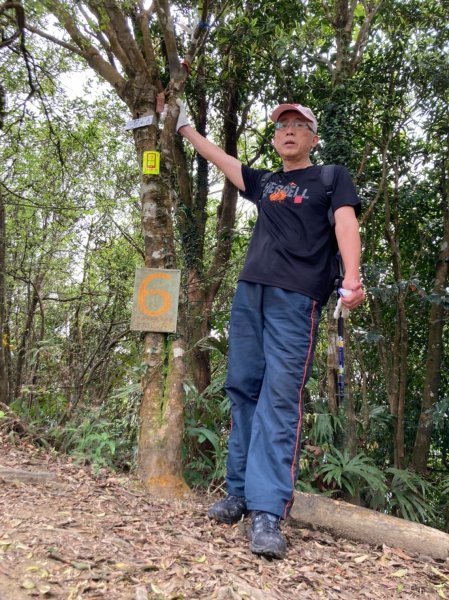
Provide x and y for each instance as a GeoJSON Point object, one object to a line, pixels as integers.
{"type": "Point", "coordinates": [207, 418]}
{"type": "Point", "coordinates": [102, 436]}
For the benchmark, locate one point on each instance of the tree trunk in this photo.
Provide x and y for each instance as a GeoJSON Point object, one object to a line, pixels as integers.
{"type": "Point", "coordinates": [332, 359]}
{"type": "Point", "coordinates": [198, 325]}
{"type": "Point", "coordinates": [21, 353]}
{"type": "Point", "coordinates": [120, 44]}
{"type": "Point", "coordinates": [3, 337]}
{"type": "Point", "coordinates": [367, 526]}
{"type": "Point", "coordinates": [397, 387]}
{"type": "Point", "coordinates": [400, 387]}
{"type": "Point", "coordinates": [351, 37]}
{"type": "Point", "coordinates": [192, 218]}
{"type": "Point", "coordinates": [202, 287]}
{"type": "Point", "coordinates": [161, 417]}
{"type": "Point", "coordinates": [338, 147]}
{"type": "Point", "coordinates": [434, 352]}
{"type": "Point", "coordinates": [161, 410]}
{"type": "Point", "coordinates": [32, 477]}
{"type": "Point", "coordinates": [350, 440]}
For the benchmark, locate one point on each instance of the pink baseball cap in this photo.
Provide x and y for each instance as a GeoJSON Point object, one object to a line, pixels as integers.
{"type": "Point", "coordinates": [304, 111]}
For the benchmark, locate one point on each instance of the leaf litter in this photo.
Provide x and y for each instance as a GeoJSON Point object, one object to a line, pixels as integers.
{"type": "Point", "coordinates": [85, 536]}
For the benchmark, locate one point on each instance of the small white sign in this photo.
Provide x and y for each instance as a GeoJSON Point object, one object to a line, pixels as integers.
{"type": "Point", "coordinates": [136, 123]}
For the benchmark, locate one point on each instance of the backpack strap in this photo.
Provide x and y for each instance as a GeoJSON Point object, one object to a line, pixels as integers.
{"type": "Point", "coordinates": [327, 175]}
{"type": "Point", "coordinates": [327, 179]}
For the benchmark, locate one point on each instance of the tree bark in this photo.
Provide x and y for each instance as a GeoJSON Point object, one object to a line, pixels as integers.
{"type": "Point", "coordinates": [34, 477]}
{"type": "Point", "coordinates": [26, 333]}
{"type": "Point", "coordinates": [367, 526]}
{"type": "Point", "coordinates": [350, 438]}
{"type": "Point", "coordinates": [192, 219]}
{"type": "Point", "coordinates": [350, 41]}
{"type": "Point", "coordinates": [202, 287]}
{"type": "Point", "coordinates": [332, 359]}
{"type": "Point", "coordinates": [434, 359]}
{"type": "Point", "coordinates": [161, 416]}
{"type": "Point", "coordinates": [339, 148]}
{"type": "Point", "coordinates": [3, 336]}
{"type": "Point", "coordinates": [161, 410]}
{"type": "Point", "coordinates": [138, 82]}
{"type": "Point", "coordinates": [398, 382]}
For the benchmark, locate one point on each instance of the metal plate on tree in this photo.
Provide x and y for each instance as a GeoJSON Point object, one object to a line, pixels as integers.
{"type": "Point", "coordinates": [155, 302]}
{"type": "Point", "coordinates": [136, 123]}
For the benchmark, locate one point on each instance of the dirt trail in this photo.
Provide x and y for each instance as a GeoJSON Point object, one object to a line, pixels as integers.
{"type": "Point", "coordinates": [79, 536]}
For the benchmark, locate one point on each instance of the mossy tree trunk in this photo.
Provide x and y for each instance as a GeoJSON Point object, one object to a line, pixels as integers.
{"type": "Point", "coordinates": [435, 344]}
{"type": "Point", "coordinates": [121, 47]}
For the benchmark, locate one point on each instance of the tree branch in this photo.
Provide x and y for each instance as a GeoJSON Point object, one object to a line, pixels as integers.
{"type": "Point", "coordinates": [166, 21]}
{"type": "Point", "coordinates": [129, 239]}
{"type": "Point", "coordinates": [200, 34]}
{"type": "Point", "coordinates": [19, 21]}
{"type": "Point", "coordinates": [124, 37]}
{"type": "Point", "coordinates": [102, 40]}
{"type": "Point", "coordinates": [328, 13]}
{"type": "Point", "coordinates": [83, 47]}
{"type": "Point", "coordinates": [363, 35]}
{"type": "Point", "coordinates": [111, 41]}
{"type": "Point", "coordinates": [142, 21]}
{"type": "Point", "coordinates": [55, 40]}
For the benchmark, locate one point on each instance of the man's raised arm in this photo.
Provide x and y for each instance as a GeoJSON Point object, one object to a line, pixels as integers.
{"type": "Point", "coordinates": [230, 166]}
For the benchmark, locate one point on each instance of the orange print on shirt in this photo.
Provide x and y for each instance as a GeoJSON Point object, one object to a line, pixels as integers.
{"type": "Point", "coordinates": [278, 196]}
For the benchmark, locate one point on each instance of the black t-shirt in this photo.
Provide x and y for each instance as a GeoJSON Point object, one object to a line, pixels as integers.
{"type": "Point", "coordinates": [293, 245]}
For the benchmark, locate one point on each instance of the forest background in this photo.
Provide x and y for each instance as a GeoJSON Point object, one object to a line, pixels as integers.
{"type": "Point", "coordinates": [77, 217]}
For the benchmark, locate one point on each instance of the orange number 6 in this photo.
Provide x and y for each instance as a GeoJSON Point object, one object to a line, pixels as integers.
{"type": "Point", "coordinates": [144, 292]}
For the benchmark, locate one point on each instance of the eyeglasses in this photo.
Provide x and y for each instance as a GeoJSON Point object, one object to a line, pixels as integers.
{"type": "Point", "coordinates": [293, 125]}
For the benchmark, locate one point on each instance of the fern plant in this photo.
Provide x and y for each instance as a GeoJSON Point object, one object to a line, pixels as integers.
{"type": "Point", "coordinates": [206, 432]}
{"type": "Point", "coordinates": [406, 496]}
{"type": "Point", "coordinates": [90, 440]}
{"type": "Point", "coordinates": [324, 428]}
{"type": "Point", "coordinates": [347, 473]}
{"type": "Point", "coordinates": [445, 484]}
{"type": "Point", "coordinates": [321, 426]}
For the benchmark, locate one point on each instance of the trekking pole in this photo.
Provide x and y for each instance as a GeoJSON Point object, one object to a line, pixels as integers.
{"type": "Point", "coordinates": [341, 313]}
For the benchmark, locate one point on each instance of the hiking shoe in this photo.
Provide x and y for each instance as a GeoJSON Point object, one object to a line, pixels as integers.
{"type": "Point", "coordinates": [229, 510]}
{"type": "Point", "coordinates": [266, 536]}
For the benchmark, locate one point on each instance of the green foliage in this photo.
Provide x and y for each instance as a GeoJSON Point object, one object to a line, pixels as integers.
{"type": "Point", "coordinates": [206, 434]}
{"type": "Point", "coordinates": [44, 409]}
{"type": "Point", "coordinates": [348, 473]}
{"type": "Point", "coordinates": [445, 490]}
{"type": "Point", "coordinates": [320, 425]}
{"type": "Point", "coordinates": [89, 440]}
{"type": "Point", "coordinates": [103, 436]}
{"type": "Point", "coordinates": [70, 182]}
{"type": "Point", "coordinates": [407, 496]}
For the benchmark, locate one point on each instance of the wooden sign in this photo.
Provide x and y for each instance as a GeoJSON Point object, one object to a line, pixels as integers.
{"type": "Point", "coordinates": [155, 302]}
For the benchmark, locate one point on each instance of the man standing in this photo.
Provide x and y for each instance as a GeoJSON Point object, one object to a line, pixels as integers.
{"type": "Point", "coordinates": [288, 276]}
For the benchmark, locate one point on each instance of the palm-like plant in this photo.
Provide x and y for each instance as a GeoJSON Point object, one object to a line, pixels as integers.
{"type": "Point", "coordinates": [406, 496]}
{"type": "Point", "coordinates": [445, 484]}
{"type": "Point", "coordinates": [349, 472]}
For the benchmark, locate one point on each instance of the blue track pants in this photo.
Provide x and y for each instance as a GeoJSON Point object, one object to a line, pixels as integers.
{"type": "Point", "coordinates": [272, 340]}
